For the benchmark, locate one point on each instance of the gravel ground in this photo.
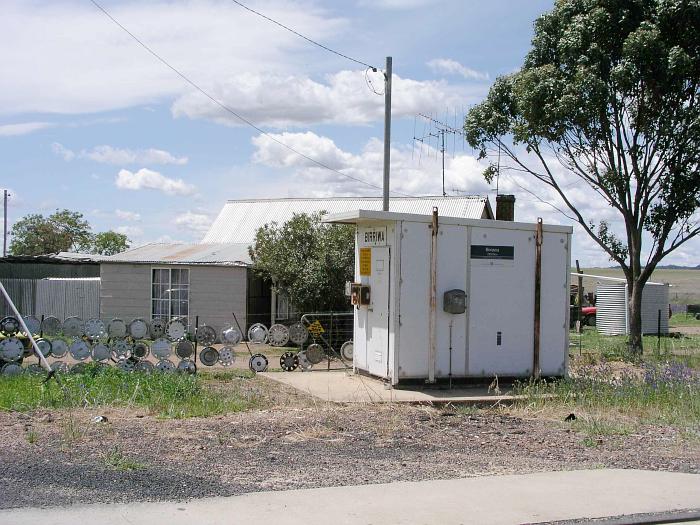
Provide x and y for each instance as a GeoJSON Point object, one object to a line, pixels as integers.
{"type": "Point", "coordinates": [62, 457]}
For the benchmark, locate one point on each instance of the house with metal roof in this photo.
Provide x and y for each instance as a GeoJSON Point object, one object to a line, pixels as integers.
{"type": "Point", "coordinates": [238, 220]}
{"type": "Point", "coordinates": [205, 280]}
{"type": "Point", "coordinates": [212, 278]}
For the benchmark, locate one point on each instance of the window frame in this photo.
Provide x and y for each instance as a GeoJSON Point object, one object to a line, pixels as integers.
{"type": "Point", "coordinates": [170, 315]}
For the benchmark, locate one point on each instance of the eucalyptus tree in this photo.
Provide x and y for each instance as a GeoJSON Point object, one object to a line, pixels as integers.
{"type": "Point", "coordinates": [608, 95]}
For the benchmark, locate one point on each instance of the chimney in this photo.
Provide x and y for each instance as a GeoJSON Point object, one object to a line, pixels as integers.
{"type": "Point", "coordinates": [505, 207]}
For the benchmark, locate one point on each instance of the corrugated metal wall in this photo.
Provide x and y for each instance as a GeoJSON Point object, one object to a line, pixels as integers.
{"type": "Point", "coordinates": [58, 297]}
{"type": "Point", "coordinates": [68, 297]}
{"type": "Point", "coordinates": [23, 294]}
{"type": "Point", "coordinates": [611, 303]}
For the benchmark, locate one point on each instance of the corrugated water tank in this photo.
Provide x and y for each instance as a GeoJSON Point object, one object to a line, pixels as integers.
{"type": "Point", "coordinates": [611, 303]}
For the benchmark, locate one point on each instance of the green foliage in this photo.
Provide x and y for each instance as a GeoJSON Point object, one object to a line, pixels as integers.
{"type": "Point", "coordinates": [109, 243]}
{"type": "Point", "coordinates": [62, 231]}
{"type": "Point", "coordinates": [309, 260]}
{"type": "Point", "coordinates": [610, 92]}
{"type": "Point", "coordinates": [166, 395]}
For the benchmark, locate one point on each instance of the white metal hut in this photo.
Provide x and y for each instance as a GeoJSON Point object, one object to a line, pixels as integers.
{"type": "Point", "coordinates": [410, 274]}
{"type": "Point", "coordinates": [612, 297]}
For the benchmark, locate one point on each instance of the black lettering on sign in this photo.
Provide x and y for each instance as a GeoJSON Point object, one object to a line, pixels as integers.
{"type": "Point", "coordinates": [375, 236]}
{"type": "Point", "coordinates": [501, 253]}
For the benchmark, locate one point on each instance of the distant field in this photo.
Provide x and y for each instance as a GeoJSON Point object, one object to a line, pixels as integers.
{"type": "Point", "coordinates": [685, 284]}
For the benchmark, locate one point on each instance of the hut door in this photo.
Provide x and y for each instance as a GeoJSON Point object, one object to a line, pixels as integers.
{"type": "Point", "coordinates": [378, 313]}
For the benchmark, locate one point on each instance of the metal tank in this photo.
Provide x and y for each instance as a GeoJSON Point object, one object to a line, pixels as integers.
{"type": "Point", "coordinates": [611, 303]}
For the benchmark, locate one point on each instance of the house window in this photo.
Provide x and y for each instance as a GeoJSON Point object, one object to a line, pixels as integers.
{"type": "Point", "coordinates": [170, 293]}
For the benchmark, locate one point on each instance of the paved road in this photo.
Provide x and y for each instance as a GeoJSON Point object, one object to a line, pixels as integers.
{"type": "Point", "coordinates": [529, 498]}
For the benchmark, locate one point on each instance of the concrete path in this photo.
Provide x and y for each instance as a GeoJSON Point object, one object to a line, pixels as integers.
{"type": "Point", "coordinates": [345, 387]}
{"type": "Point", "coordinates": [530, 498]}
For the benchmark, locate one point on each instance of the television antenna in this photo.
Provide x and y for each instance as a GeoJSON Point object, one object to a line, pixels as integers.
{"type": "Point", "coordinates": [437, 130]}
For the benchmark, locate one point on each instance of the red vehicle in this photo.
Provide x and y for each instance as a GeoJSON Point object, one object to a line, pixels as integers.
{"type": "Point", "coordinates": [588, 315]}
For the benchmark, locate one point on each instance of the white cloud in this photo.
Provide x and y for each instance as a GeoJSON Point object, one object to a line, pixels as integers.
{"type": "Point", "coordinates": [395, 4]}
{"type": "Point", "coordinates": [344, 98]}
{"type": "Point", "coordinates": [127, 215]}
{"type": "Point", "coordinates": [452, 67]}
{"type": "Point", "coordinates": [22, 128]}
{"type": "Point", "coordinates": [109, 155]}
{"type": "Point", "coordinates": [407, 175]}
{"type": "Point", "coordinates": [91, 65]}
{"type": "Point", "coordinates": [195, 222]}
{"type": "Point", "coordinates": [152, 180]}
{"type": "Point", "coordinates": [130, 231]}
{"type": "Point", "coordinates": [62, 151]}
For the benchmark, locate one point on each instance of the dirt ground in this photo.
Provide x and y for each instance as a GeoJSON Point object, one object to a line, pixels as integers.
{"type": "Point", "coordinates": [63, 457]}
{"type": "Point", "coordinates": [687, 330]}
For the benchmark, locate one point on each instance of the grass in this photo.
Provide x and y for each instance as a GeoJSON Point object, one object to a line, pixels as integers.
{"type": "Point", "coordinates": [685, 348]}
{"type": "Point", "coordinates": [597, 427]}
{"type": "Point", "coordinates": [611, 400]}
{"type": "Point", "coordinates": [682, 319]}
{"type": "Point", "coordinates": [166, 395]}
{"type": "Point", "coordinates": [116, 460]}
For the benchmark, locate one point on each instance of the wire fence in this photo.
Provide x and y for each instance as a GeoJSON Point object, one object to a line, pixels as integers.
{"type": "Point", "coordinates": [140, 344]}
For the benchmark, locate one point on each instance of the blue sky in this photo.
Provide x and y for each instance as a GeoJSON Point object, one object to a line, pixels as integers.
{"type": "Point", "coordinates": [91, 122]}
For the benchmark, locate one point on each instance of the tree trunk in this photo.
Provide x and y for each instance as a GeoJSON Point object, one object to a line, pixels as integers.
{"type": "Point", "coordinates": [635, 319]}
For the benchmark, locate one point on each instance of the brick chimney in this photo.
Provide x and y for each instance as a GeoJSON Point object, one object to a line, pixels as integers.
{"type": "Point", "coordinates": [505, 207]}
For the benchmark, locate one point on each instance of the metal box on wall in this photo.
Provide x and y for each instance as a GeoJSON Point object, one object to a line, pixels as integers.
{"type": "Point", "coordinates": [404, 333]}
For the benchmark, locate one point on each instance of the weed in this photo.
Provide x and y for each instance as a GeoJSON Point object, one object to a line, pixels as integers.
{"type": "Point", "coordinates": [597, 426]}
{"type": "Point", "coordinates": [116, 460]}
{"type": "Point", "coordinates": [590, 442]}
{"type": "Point", "coordinates": [465, 409]}
{"type": "Point", "coordinates": [32, 437]}
{"type": "Point", "coordinates": [223, 438]}
{"type": "Point", "coordinates": [71, 430]}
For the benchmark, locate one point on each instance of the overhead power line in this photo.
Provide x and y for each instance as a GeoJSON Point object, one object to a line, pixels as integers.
{"type": "Point", "coordinates": [231, 111]}
{"type": "Point", "coordinates": [304, 37]}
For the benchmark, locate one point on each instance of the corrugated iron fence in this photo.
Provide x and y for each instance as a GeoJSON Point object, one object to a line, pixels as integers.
{"type": "Point", "coordinates": [60, 297]}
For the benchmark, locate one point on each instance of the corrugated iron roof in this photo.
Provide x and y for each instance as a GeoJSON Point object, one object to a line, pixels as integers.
{"type": "Point", "coordinates": [215, 254]}
{"type": "Point", "coordinates": [53, 258]}
{"type": "Point", "coordinates": [240, 219]}
{"type": "Point", "coordinates": [79, 257]}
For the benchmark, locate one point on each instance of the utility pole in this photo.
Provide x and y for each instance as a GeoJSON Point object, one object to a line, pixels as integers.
{"type": "Point", "coordinates": [387, 132]}
{"type": "Point", "coordinates": [4, 229]}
